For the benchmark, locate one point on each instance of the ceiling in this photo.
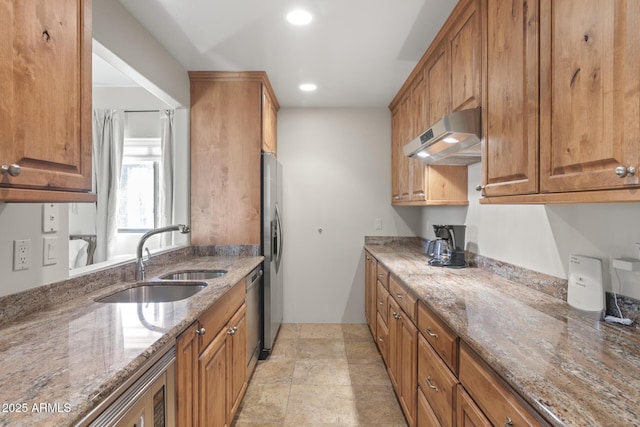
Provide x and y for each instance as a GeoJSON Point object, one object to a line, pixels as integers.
{"type": "Point", "coordinates": [358, 52]}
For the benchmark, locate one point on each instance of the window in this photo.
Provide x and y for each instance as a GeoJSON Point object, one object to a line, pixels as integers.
{"type": "Point", "coordinates": [138, 189]}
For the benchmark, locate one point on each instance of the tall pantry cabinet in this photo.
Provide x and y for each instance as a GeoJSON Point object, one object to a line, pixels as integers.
{"type": "Point", "coordinates": [233, 118]}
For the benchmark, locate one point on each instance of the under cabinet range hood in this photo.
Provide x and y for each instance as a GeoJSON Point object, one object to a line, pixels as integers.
{"type": "Point", "coordinates": [453, 140]}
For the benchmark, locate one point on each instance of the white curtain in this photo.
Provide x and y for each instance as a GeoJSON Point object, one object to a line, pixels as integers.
{"type": "Point", "coordinates": [108, 141]}
{"type": "Point", "coordinates": [166, 176]}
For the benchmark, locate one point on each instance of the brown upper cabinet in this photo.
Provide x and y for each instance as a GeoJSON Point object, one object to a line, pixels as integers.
{"type": "Point", "coordinates": [562, 122]}
{"type": "Point", "coordinates": [229, 125]}
{"type": "Point", "coordinates": [45, 112]}
{"type": "Point", "coordinates": [269, 121]}
{"type": "Point", "coordinates": [447, 79]}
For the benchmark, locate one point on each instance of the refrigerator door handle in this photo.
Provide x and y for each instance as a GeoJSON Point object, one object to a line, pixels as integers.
{"type": "Point", "coordinates": [279, 238]}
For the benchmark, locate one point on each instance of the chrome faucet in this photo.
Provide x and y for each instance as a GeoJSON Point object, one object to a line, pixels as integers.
{"type": "Point", "coordinates": [140, 262]}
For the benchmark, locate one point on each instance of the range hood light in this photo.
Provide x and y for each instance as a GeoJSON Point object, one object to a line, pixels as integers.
{"type": "Point", "coordinates": [422, 154]}
{"type": "Point", "coordinates": [450, 140]}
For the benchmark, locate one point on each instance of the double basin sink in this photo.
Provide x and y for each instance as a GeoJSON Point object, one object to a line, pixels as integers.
{"type": "Point", "coordinates": [170, 287]}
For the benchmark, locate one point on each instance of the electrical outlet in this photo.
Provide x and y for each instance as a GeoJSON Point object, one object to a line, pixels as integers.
{"type": "Point", "coordinates": [21, 254]}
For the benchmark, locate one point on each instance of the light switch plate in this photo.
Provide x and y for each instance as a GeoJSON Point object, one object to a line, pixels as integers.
{"type": "Point", "coordinates": [49, 250]}
{"type": "Point", "coordinates": [50, 220]}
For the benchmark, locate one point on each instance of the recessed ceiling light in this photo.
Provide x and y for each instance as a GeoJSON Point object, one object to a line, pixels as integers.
{"type": "Point", "coordinates": [299, 17]}
{"type": "Point", "coordinates": [308, 87]}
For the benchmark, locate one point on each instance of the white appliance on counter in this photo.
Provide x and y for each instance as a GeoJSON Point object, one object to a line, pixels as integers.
{"type": "Point", "coordinates": [272, 246]}
{"type": "Point", "coordinates": [585, 290]}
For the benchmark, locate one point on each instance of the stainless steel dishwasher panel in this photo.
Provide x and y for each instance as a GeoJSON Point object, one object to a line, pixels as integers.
{"type": "Point", "coordinates": [254, 317]}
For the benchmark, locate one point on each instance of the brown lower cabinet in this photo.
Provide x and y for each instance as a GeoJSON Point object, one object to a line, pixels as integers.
{"type": "Point", "coordinates": [211, 363]}
{"type": "Point", "coordinates": [438, 379]}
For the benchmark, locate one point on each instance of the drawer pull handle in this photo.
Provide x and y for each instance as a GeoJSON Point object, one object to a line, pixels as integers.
{"type": "Point", "coordinates": [380, 339]}
{"type": "Point", "coordinates": [380, 302]}
{"type": "Point", "coordinates": [399, 296]}
{"type": "Point", "coordinates": [201, 331]}
{"type": "Point", "coordinates": [431, 386]}
{"type": "Point", "coordinates": [382, 276]}
{"type": "Point", "coordinates": [508, 423]}
{"type": "Point", "coordinates": [431, 334]}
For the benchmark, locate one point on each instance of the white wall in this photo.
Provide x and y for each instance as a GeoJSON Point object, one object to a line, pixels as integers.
{"type": "Point", "coordinates": [20, 221]}
{"type": "Point", "coordinates": [337, 177]}
{"type": "Point", "coordinates": [542, 238]}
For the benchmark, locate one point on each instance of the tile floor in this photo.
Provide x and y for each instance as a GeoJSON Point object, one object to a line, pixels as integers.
{"type": "Point", "coordinates": [321, 375]}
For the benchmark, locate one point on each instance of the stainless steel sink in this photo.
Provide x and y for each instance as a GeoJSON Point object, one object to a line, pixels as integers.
{"type": "Point", "coordinates": [155, 292]}
{"type": "Point", "coordinates": [194, 275]}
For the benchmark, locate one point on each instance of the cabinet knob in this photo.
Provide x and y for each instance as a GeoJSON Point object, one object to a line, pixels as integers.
{"type": "Point", "coordinates": [13, 170]}
{"type": "Point", "coordinates": [232, 331]}
{"type": "Point", "coordinates": [479, 187]}
{"type": "Point", "coordinates": [397, 197]}
{"type": "Point", "coordinates": [201, 331]}
{"type": "Point", "coordinates": [623, 171]}
{"type": "Point", "coordinates": [380, 302]}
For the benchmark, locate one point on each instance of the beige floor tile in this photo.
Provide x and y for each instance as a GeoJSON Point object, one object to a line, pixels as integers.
{"type": "Point", "coordinates": [288, 331]}
{"type": "Point", "coordinates": [320, 349]}
{"type": "Point", "coordinates": [361, 350]}
{"type": "Point", "coordinates": [321, 331]}
{"type": "Point", "coordinates": [284, 349]}
{"type": "Point", "coordinates": [356, 332]}
{"type": "Point", "coordinates": [368, 372]}
{"type": "Point", "coordinates": [321, 404]}
{"type": "Point", "coordinates": [264, 403]}
{"type": "Point", "coordinates": [321, 375]}
{"type": "Point", "coordinates": [321, 372]}
{"type": "Point", "coordinates": [273, 371]}
{"type": "Point", "coordinates": [378, 405]}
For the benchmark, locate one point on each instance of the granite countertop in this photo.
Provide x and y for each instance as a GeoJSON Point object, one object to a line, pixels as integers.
{"type": "Point", "coordinates": [574, 371]}
{"type": "Point", "coordinates": [71, 355]}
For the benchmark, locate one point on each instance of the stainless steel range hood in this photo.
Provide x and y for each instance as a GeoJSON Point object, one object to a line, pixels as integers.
{"type": "Point", "coordinates": [454, 140]}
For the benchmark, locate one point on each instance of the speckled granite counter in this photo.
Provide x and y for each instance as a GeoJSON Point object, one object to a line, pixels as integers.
{"type": "Point", "coordinates": [574, 371]}
{"type": "Point", "coordinates": [73, 354]}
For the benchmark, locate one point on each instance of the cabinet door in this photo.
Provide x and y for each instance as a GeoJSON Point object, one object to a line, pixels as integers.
{"type": "Point", "coordinates": [467, 412]}
{"type": "Point", "coordinates": [510, 116]}
{"type": "Point", "coordinates": [426, 417]}
{"type": "Point", "coordinates": [45, 82]}
{"type": "Point", "coordinates": [269, 124]}
{"type": "Point", "coordinates": [590, 116]}
{"type": "Point", "coordinates": [396, 153]}
{"type": "Point", "coordinates": [419, 124]}
{"type": "Point", "coordinates": [382, 338]}
{"type": "Point", "coordinates": [237, 360]}
{"type": "Point", "coordinates": [408, 362]}
{"type": "Point", "coordinates": [187, 350]}
{"type": "Point", "coordinates": [370, 292]}
{"type": "Point", "coordinates": [404, 161]}
{"type": "Point", "coordinates": [213, 371]}
{"type": "Point", "coordinates": [437, 383]}
{"type": "Point", "coordinates": [395, 332]}
{"type": "Point", "coordinates": [437, 80]}
{"type": "Point", "coordinates": [465, 45]}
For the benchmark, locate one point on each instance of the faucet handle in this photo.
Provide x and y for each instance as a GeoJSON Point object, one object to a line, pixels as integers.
{"type": "Point", "coordinates": [148, 260]}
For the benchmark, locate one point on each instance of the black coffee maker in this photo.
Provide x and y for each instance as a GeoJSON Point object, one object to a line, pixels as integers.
{"type": "Point", "coordinates": [451, 253]}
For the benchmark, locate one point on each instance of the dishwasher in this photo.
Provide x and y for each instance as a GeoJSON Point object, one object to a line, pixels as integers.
{"type": "Point", "coordinates": [254, 317]}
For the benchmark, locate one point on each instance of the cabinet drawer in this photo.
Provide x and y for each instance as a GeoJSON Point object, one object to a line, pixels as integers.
{"type": "Point", "coordinates": [382, 338]}
{"type": "Point", "coordinates": [214, 319]}
{"type": "Point", "coordinates": [443, 339]}
{"type": "Point", "coordinates": [467, 412]}
{"type": "Point", "coordinates": [426, 417]}
{"type": "Point", "coordinates": [383, 276]}
{"type": "Point", "coordinates": [405, 299]}
{"type": "Point", "coordinates": [495, 399]}
{"type": "Point", "coordinates": [436, 382]}
{"type": "Point", "coordinates": [381, 302]}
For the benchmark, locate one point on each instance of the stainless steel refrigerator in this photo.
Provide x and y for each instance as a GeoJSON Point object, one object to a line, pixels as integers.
{"type": "Point", "coordinates": [272, 246]}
